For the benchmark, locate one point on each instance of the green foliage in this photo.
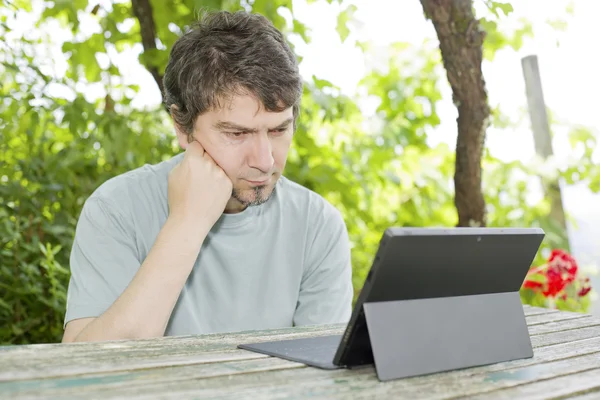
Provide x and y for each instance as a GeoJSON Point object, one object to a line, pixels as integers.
{"type": "Point", "coordinates": [53, 154]}
{"type": "Point", "coordinates": [55, 150]}
{"type": "Point", "coordinates": [342, 21]}
{"type": "Point", "coordinates": [497, 39]}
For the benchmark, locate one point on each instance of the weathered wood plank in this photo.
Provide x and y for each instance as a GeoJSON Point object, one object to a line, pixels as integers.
{"type": "Point", "coordinates": [78, 384]}
{"type": "Point", "coordinates": [531, 311]}
{"type": "Point", "coordinates": [588, 395]}
{"type": "Point", "coordinates": [61, 360]}
{"type": "Point", "coordinates": [64, 360]}
{"type": "Point", "coordinates": [552, 317]}
{"type": "Point", "coordinates": [80, 366]}
{"type": "Point", "coordinates": [183, 365]}
{"type": "Point", "coordinates": [564, 387]}
{"type": "Point", "coordinates": [362, 383]}
{"type": "Point", "coordinates": [431, 387]}
{"type": "Point", "coordinates": [118, 382]}
{"type": "Point", "coordinates": [547, 339]}
{"type": "Point", "coordinates": [565, 325]}
{"type": "Point", "coordinates": [144, 344]}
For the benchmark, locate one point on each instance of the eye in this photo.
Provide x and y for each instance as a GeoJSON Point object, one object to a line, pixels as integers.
{"type": "Point", "coordinates": [279, 131]}
{"type": "Point", "coordinates": [235, 134]}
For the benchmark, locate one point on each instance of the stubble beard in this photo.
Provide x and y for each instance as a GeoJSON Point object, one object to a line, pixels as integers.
{"type": "Point", "coordinates": [261, 194]}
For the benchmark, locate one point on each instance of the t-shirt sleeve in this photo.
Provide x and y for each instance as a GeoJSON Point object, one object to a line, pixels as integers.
{"type": "Point", "coordinates": [103, 259]}
{"type": "Point", "coordinates": [326, 290]}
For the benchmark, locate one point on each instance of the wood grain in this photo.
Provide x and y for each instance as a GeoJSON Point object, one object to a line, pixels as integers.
{"type": "Point", "coordinates": [531, 311]}
{"type": "Point", "coordinates": [356, 384]}
{"type": "Point", "coordinates": [165, 379]}
{"type": "Point", "coordinates": [564, 325]}
{"type": "Point", "coordinates": [537, 319]}
{"type": "Point", "coordinates": [587, 395]}
{"type": "Point", "coordinates": [363, 383]}
{"type": "Point", "coordinates": [45, 361]}
{"type": "Point", "coordinates": [566, 362]}
{"type": "Point", "coordinates": [98, 383]}
{"type": "Point", "coordinates": [564, 387]}
{"type": "Point", "coordinates": [117, 381]}
{"type": "Point", "coordinates": [547, 339]}
{"type": "Point", "coordinates": [54, 360]}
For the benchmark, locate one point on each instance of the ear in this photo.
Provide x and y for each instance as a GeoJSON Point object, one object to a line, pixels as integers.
{"type": "Point", "coordinates": [182, 137]}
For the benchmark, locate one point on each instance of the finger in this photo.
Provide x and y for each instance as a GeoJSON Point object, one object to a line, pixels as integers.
{"type": "Point", "coordinates": [195, 148]}
{"type": "Point", "coordinates": [208, 157]}
{"type": "Point", "coordinates": [199, 151]}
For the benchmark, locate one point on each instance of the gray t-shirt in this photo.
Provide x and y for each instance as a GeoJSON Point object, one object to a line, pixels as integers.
{"type": "Point", "coordinates": [284, 263]}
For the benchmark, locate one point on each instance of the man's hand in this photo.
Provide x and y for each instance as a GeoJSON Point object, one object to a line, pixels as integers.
{"type": "Point", "coordinates": [198, 188]}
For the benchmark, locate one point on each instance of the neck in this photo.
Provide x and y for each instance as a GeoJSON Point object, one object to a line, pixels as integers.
{"type": "Point", "coordinates": [234, 206]}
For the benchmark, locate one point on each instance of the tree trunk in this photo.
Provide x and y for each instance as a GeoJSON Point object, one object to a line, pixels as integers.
{"type": "Point", "coordinates": [461, 45]}
{"type": "Point", "coordinates": [142, 9]}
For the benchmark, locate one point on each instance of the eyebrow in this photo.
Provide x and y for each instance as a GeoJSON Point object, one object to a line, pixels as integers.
{"type": "Point", "coordinates": [232, 126]}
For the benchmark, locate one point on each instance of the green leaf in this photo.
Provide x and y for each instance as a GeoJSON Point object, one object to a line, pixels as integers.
{"type": "Point", "coordinates": [300, 29]}
{"type": "Point", "coordinates": [558, 24]}
{"type": "Point", "coordinates": [342, 21]}
{"type": "Point", "coordinates": [43, 249]}
{"type": "Point", "coordinates": [570, 8]}
{"type": "Point", "coordinates": [322, 83]}
{"type": "Point", "coordinates": [24, 5]}
{"type": "Point", "coordinates": [506, 8]}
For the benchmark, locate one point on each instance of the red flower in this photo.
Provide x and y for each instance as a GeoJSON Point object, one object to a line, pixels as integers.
{"type": "Point", "coordinates": [533, 285]}
{"type": "Point", "coordinates": [555, 282]}
{"type": "Point", "coordinates": [560, 271]}
{"type": "Point", "coordinates": [564, 264]}
{"type": "Point", "coordinates": [585, 289]}
{"type": "Point", "coordinates": [557, 274]}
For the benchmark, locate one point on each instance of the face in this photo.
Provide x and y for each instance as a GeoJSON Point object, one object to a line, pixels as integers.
{"type": "Point", "coordinates": [249, 143]}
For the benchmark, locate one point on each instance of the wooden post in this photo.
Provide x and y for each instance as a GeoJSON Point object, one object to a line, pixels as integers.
{"type": "Point", "coordinates": [541, 134]}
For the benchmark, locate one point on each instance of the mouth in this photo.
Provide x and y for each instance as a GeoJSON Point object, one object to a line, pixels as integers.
{"type": "Point", "coordinates": [258, 183]}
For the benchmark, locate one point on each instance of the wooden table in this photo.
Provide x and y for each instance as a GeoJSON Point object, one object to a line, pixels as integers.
{"type": "Point", "coordinates": [566, 364]}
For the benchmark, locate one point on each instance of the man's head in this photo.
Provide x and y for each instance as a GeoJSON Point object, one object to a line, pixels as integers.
{"type": "Point", "coordinates": [232, 83]}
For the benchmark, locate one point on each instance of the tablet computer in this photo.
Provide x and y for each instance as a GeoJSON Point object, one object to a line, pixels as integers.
{"type": "Point", "coordinates": [421, 263]}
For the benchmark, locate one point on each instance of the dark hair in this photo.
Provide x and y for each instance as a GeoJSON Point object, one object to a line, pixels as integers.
{"type": "Point", "coordinates": [227, 54]}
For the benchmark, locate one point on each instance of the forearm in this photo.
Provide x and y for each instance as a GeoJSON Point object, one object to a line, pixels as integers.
{"type": "Point", "coordinates": [144, 308]}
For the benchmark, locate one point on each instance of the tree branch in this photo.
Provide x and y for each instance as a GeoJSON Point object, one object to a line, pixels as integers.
{"type": "Point", "coordinates": [142, 9]}
{"type": "Point", "coordinates": [461, 45]}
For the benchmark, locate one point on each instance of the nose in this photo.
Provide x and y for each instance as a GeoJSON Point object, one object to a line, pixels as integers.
{"type": "Point", "coordinates": [261, 153]}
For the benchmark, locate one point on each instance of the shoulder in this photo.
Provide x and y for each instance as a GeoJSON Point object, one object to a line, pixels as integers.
{"type": "Point", "coordinates": [135, 190]}
{"type": "Point", "coordinates": [147, 178]}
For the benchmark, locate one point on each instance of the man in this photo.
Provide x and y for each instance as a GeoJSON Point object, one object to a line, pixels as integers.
{"type": "Point", "coordinates": [215, 239]}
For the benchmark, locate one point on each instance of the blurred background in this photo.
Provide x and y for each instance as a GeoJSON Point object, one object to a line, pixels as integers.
{"type": "Point", "coordinates": [80, 102]}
